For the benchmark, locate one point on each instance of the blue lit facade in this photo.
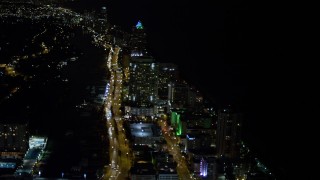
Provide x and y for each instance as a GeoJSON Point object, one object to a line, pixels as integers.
{"type": "Point", "coordinates": [203, 168]}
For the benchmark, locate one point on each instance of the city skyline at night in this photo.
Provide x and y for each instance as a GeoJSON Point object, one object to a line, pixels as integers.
{"type": "Point", "coordinates": [136, 89]}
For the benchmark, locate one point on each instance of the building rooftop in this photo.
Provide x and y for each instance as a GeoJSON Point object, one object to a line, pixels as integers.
{"type": "Point", "coordinates": [142, 59]}
{"type": "Point", "coordinates": [144, 130]}
{"type": "Point", "coordinates": [167, 168]}
{"type": "Point", "coordinates": [143, 169]}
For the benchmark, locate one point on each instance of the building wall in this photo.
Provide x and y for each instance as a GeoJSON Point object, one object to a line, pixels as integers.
{"type": "Point", "coordinates": [168, 73]}
{"type": "Point", "coordinates": [13, 138]}
{"type": "Point", "coordinates": [199, 141]}
{"type": "Point", "coordinates": [143, 81]}
{"type": "Point", "coordinates": [143, 177]}
{"type": "Point", "coordinates": [168, 177]}
{"type": "Point", "coordinates": [142, 111]}
{"type": "Point", "coordinates": [228, 133]}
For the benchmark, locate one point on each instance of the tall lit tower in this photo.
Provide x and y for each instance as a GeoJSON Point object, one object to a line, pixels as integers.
{"type": "Point", "coordinates": [228, 133]}
{"type": "Point", "coordinates": [168, 73]}
{"type": "Point", "coordinates": [143, 82]}
{"type": "Point", "coordinates": [138, 41]}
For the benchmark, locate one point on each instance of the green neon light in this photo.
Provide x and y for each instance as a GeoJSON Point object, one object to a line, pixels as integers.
{"type": "Point", "coordinates": [176, 123]}
{"type": "Point", "coordinates": [178, 126]}
{"type": "Point", "coordinates": [173, 118]}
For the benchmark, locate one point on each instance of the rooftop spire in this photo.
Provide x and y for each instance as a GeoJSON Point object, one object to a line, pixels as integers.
{"type": "Point", "coordinates": [139, 25]}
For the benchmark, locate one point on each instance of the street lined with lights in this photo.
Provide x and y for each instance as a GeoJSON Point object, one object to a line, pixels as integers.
{"type": "Point", "coordinates": [119, 150]}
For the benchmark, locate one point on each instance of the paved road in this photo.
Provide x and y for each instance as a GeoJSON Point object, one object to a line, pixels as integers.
{"type": "Point", "coordinates": [120, 156]}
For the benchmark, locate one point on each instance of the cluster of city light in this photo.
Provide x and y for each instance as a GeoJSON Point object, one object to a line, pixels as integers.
{"type": "Point", "coordinates": [33, 155]}
{"type": "Point", "coordinates": [38, 13]}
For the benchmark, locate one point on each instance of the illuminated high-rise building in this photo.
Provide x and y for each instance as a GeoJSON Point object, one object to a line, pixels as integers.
{"type": "Point", "coordinates": [143, 76]}
{"type": "Point", "coordinates": [168, 73]}
{"type": "Point", "coordinates": [13, 140]}
{"type": "Point", "coordinates": [181, 95]}
{"type": "Point", "coordinates": [228, 133]}
{"type": "Point", "coordinates": [101, 25]}
{"type": "Point", "coordinates": [138, 41]}
{"type": "Point", "coordinates": [143, 82]}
